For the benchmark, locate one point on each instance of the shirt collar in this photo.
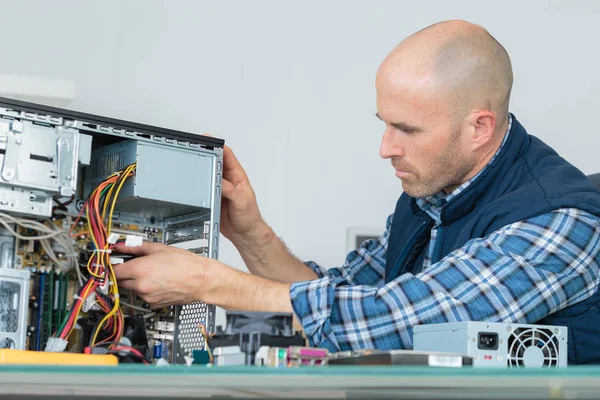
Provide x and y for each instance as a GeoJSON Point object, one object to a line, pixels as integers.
{"type": "Point", "coordinates": [432, 205]}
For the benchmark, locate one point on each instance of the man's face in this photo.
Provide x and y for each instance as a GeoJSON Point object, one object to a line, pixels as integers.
{"type": "Point", "coordinates": [423, 139]}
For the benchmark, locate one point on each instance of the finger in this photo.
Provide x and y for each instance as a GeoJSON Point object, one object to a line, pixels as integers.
{"type": "Point", "coordinates": [227, 189]}
{"type": "Point", "coordinates": [130, 284]}
{"type": "Point", "coordinates": [236, 197]}
{"type": "Point", "coordinates": [145, 249]}
{"type": "Point", "coordinates": [129, 270]}
{"type": "Point", "coordinates": [232, 169]}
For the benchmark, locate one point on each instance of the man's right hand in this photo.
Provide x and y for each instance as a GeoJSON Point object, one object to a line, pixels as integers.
{"type": "Point", "coordinates": [241, 221]}
{"type": "Point", "coordinates": [262, 251]}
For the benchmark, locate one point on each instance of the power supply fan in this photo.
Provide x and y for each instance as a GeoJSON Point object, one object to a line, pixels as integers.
{"type": "Point", "coordinates": [533, 347]}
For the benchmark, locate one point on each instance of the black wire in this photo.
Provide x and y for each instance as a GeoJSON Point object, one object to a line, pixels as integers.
{"type": "Point", "coordinates": [63, 206]}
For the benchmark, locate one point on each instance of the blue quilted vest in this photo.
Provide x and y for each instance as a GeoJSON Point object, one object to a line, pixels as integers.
{"type": "Point", "coordinates": [526, 179]}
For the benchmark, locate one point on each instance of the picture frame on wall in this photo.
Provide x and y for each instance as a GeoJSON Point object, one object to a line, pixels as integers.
{"type": "Point", "coordinates": [355, 235]}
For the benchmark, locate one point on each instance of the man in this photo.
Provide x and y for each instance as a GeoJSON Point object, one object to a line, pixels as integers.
{"type": "Point", "coordinates": [492, 226]}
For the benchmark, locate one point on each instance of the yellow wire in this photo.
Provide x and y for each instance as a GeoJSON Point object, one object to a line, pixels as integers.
{"type": "Point", "coordinates": [114, 288]}
{"type": "Point", "coordinates": [115, 291]}
{"type": "Point", "coordinates": [84, 295]}
{"type": "Point", "coordinates": [87, 215]}
{"type": "Point", "coordinates": [103, 258]}
{"type": "Point", "coordinates": [112, 187]}
{"type": "Point", "coordinates": [204, 333]}
{"type": "Point", "coordinates": [128, 170]}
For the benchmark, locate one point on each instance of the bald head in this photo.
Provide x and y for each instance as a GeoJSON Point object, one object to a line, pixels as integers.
{"type": "Point", "coordinates": [459, 61]}
{"type": "Point", "coordinates": [443, 94]}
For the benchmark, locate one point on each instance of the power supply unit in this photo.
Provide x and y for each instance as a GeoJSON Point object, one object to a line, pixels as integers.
{"type": "Point", "coordinates": [497, 344]}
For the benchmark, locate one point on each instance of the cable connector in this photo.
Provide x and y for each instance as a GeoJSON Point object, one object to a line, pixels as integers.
{"type": "Point", "coordinates": [133, 240]}
{"type": "Point", "coordinates": [89, 303]}
{"type": "Point", "coordinates": [113, 238]}
{"type": "Point", "coordinates": [56, 345]}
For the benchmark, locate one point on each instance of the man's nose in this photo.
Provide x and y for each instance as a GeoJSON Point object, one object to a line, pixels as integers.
{"type": "Point", "coordinates": [390, 145]}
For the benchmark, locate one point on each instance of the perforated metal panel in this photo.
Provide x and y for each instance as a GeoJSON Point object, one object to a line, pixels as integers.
{"type": "Point", "coordinates": [187, 333]}
{"type": "Point", "coordinates": [10, 315]}
{"type": "Point", "coordinates": [9, 321]}
{"type": "Point", "coordinates": [14, 297]}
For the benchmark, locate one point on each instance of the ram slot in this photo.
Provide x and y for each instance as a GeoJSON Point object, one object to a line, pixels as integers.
{"type": "Point", "coordinates": [47, 285]}
{"type": "Point", "coordinates": [41, 280]}
{"type": "Point", "coordinates": [59, 306]}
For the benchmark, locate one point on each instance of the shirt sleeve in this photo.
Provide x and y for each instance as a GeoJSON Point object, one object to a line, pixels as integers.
{"type": "Point", "coordinates": [364, 266]}
{"type": "Point", "coordinates": [519, 273]}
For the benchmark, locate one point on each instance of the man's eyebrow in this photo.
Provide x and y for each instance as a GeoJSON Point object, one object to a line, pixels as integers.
{"type": "Point", "coordinates": [403, 126]}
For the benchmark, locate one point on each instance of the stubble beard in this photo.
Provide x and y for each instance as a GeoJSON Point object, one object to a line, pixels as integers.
{"type": "Point", "coordinates": [449, 171]}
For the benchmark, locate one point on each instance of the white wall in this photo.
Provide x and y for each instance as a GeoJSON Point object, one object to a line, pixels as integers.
{"type": "Point", "coordinates": [290, 86]}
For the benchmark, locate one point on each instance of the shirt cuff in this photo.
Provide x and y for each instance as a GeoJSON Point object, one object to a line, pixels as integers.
{"type": "Point", "coordinates": [320, 271]}
{"type": "Point", "coordinates": [311, 302]}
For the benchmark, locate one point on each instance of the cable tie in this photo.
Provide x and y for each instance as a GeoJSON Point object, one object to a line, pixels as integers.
{"type": "Point", "coordinates": [103, 251]}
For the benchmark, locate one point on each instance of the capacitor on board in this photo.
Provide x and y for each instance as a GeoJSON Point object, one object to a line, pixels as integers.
{"type": "Point", "coordinates": [158, 347]}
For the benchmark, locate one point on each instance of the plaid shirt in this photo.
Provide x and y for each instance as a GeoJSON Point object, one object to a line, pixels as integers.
{"type": "Point", "coordinates": [519, 273]}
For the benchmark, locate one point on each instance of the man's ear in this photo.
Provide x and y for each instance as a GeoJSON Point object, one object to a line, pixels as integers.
{"type": "Point", "coordinates": [482, 124]}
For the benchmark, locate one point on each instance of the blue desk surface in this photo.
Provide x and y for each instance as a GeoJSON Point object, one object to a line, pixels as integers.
{"type": "Point", "coordinates": [130, 381]}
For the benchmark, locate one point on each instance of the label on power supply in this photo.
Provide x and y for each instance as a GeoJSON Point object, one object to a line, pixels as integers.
{"type": "Point", "coordinates": [445, 361]}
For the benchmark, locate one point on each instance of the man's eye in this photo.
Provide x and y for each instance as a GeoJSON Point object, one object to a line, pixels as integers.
{"type": "Point", "coordinates": [408, 131]}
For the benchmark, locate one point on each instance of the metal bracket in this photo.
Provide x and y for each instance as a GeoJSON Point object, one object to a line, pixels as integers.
{"type": "Point", "coordinates": [64, 152]}
{"type": "Point", "coordinates": [13, 144]}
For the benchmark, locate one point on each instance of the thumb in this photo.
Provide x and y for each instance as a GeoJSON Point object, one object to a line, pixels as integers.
{"type": "Point", "coordinates": [227, 189]}
{"type": "Point", "coordinates": [138, 251]}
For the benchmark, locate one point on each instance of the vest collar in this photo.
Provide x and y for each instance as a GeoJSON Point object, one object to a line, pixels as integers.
{"type": "Point", "coordinates": [465, 201]}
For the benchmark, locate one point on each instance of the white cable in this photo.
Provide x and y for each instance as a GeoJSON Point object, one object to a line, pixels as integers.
{"type": "Point", "coordinates": [59, 235]}
{"type": "Point", "coordinates": [147, 315]}
{"type": "Point", "coordinates": [138, 308]}
{"type": "Point", "coordinates": [51, 233]}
